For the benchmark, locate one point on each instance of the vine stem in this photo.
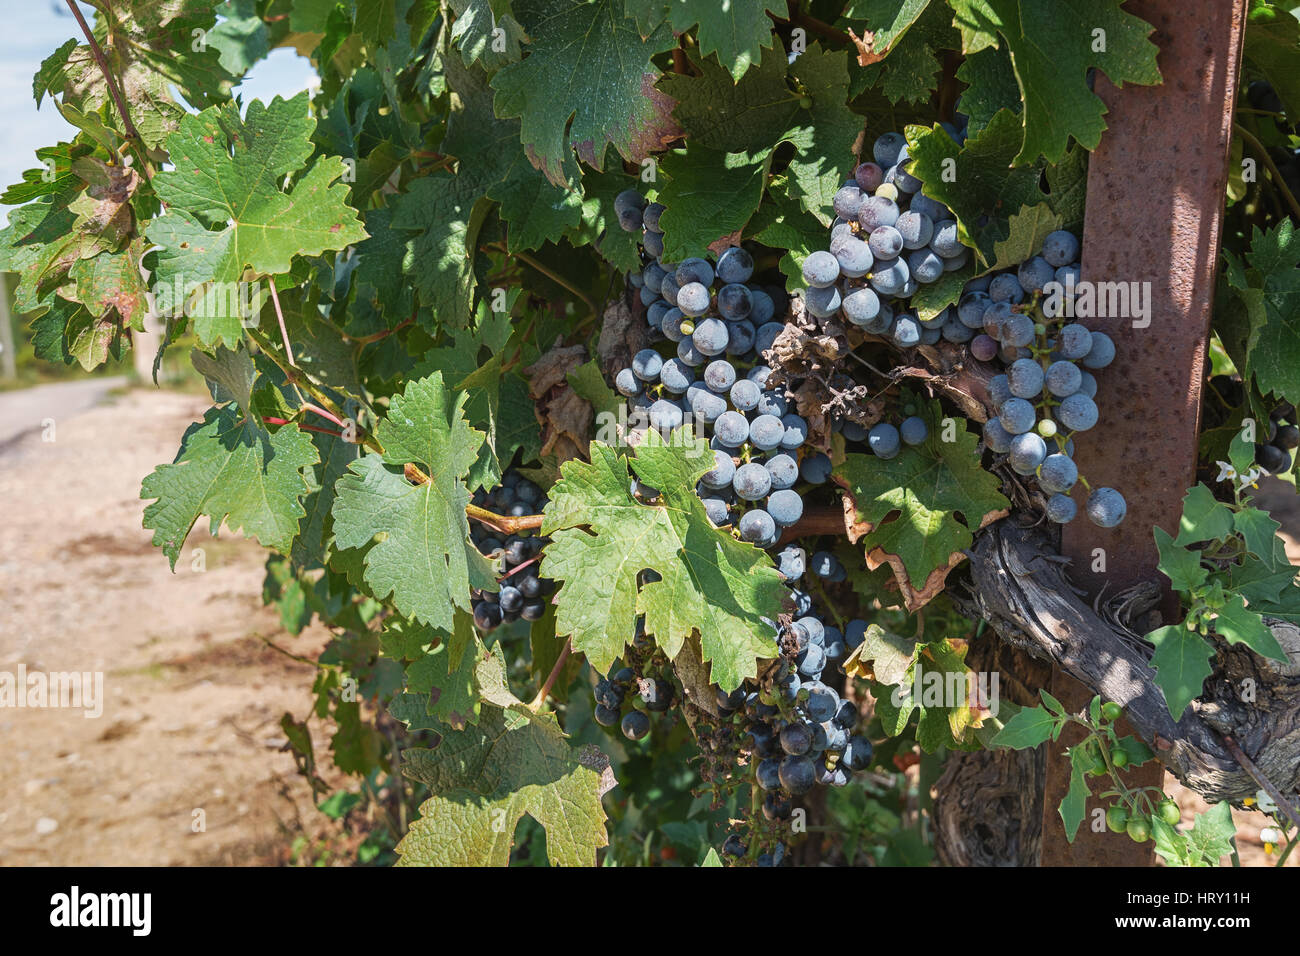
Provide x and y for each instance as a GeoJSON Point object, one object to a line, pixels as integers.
{"type": "Point", "coordinates": [1265, 784]}
{"type": "Point", "coordinates": [131, 132]}
{"type": "Point", "coordinates": [279, 317]}
{"type": "Point", "coordinates": [549, 273]}
{"type": "Point", "coordinates": [1274, 173]}
{"type": "Point", "coordinates": [307, 428]}
{"type": "Point", "coordinates": [506, 524]}
{"type": "Point", "coordinates": [542, 694]}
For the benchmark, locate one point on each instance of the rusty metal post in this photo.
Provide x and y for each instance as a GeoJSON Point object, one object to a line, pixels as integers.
{"type": "Point", "coordinates": [1156, 187]}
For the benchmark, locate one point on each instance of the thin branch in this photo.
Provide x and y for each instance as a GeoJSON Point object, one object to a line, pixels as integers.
{"type": "Point", "coordinates": [279, 317]}
{"type": "Point", "coordinates": [307, 428]}
{"type": "Point", "coordinates": [550, 680]}
{"type": "Point", "coordinates": [330, 416]}
{"type": "Point", "coordinates": [504, 523]}
{"type": "Point", "coordinates": [550, 274]}
{"type": "Point", "coordinates": [1274, 173]}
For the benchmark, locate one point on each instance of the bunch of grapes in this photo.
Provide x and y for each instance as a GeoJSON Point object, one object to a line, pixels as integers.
{"type": "Point", "coordinates": [1047, 390]}
{"type": "Point", "coordinates": [627, 696]}
{"type": "Point", "coordinates": [1274, 453]}
{"type": "Point", "coordinates": [888, 239]}
{"type": "Point", "coordinates": [522, 593]}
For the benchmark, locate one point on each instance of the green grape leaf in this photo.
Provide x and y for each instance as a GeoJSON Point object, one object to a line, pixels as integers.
{"type": "Point", "coordinates": [422, 557]}
{"type": "Point", "coordinates": [1182, 566]}
{"type": "Point", "coordinates": [924, 488]}
{"type": "Point", "coordinates": [709, 582]}
{"type": "Point", "coordinates": [1051, 50]}
{"type": "Point", "coordinates": [228, 211]}
{"type": "Point", "coordinates": [473, 32]}
{"type": "Point", "coordinates": [1074, 806]}
{"type": "Point", "coordinates": [737, 31]}
{"type": "Point", "coordinates": [150, 49]}
{"type": "Point", "coordinates": [240, 36]}
{"type": "Point", "coordinates": [455, 672]}
{"type": "Point", "coordinates": [1026, 231]}
{"type": "Point", "coordinates": [1238, 624]}
{"type": "Point", "coordinates": [586, 83]}
{"type": "Point", "coordinates": [708, 194]}
{"type": "Point", "coordinates": [911, 68]}
{"type": "Point", "coordinates": [782, 223]}
{"type": "Point", "coordinates": [1272, 281]}
{"type": "Point", "coordinates": [1205, 518]}
{"type": "Point", "coordinates": [885, 21]}
{"type": "Point", "coordinates": [933, 297]}
{"type": "Point", "coordinates": [826, 134]}
{"type": "Point", "coordinates": [991, 86]}
{"type": "Point", "coordinates": [483, 779]}
{"type": "Point", "coordinates": [980, 183]}
{"type": "Point", "coordinates": [229, 468]}
{"type": "Point", "coordinates": [1182, 662]}
{"type": "Point", "coordinates": [733, 116]}
{"type": "Point", "coordinates": [1029, 727]}
{"type": "Point", "coordinates": [599, 225]}
{"type": "Point", "coordinates": [937, 682]}
{"type": "Point", "coordinates": [310, 547]}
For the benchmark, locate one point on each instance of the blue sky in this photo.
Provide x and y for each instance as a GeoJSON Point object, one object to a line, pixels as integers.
{"type": "Point", "coordinates": [33, 29]}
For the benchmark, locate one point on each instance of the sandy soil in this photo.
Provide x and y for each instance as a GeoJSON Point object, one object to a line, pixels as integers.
{"type": "Point", "coordinates": [193, 695]}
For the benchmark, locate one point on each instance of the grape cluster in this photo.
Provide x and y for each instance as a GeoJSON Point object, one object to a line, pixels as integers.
{"type": "Point", "coordinates": [887, 240]}
{"type": "Point", "coordinates": [1274, 453]}
{"type": "Point", "coordinates": [1047, 391]}
{"type": "Point", "coordinates": [522, 593]}
{"type": "Point", "coordinates": [627, 696]}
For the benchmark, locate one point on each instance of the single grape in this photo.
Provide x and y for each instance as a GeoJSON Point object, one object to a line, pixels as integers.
{"type": "Point", "coordinates": [820, 270]}
{"type": "Point", "coordinates": [811, 661]}
{"type": "Point", "coordinates": [735, 265]}
{"type": "Point", "coordinates": [792, 562]}
{"type": "Point", "coordinates": [1068, 276]}
{"type": "Point", "coordinates": [1018, 331]}
{"type": "Point", "coordinates": [796, 738]}
{"type": "Point", "coordinates": [771, 403]}
{"type": "Point", "coordinates": [1063, 378]}
{"type": "Point", "coordinates": [635, 725]}
{"type": "Point", "coordinates": [693, 299]}
{"type": "Point", "coordinates": [690, 354]}
{"type": "Point", "coordinates": [766, 774]}
{"type": "Point", "coordinates": [766, 432]}
{"type": "Point", "coordinates": [757, 527]}
{"type": "Point", "coordinates": [751, 481]}
{"type": "Point", "coordinates": [1025, 377]}
{"type": "Point", "coordinates": [627, 383]}
{"type": "Point", "coordinates": [784, 471]}
{"type": "Point", "coordinates": [884, 440]}
{"type": "Point", "coordinates": [857, 753]}
{"type": "Point", "coordinates": [861, 306]}
{"type": "Point", "coordinates": [853, 255]}
{"type": "Point", "coordinates": [1102, 352]}
{"type": "Point", "coordinates": [876, 212]}
{"type": "Point", "coordinates": [1061, 509]}
{"type": "Point", "coordinates": [926, 206]}
{"type": "Point", "coordinates": [887, 149]}
{"type": "Point", "coordinates": [847, 200]}
{"type": "Point", "coordinates": [1088, 384]}
{"type": "Point", "coordinates": [647, 365]}
{"type": "Point", "coordinates": [766, 335]}
{"type": "Point", "coordinates": [735, 302]}
{"type": "Point", "coordinates": [907, 332]}
{"type": "Point", "coordinates": [971, 309]}
{"type": "Point", "coordinates": [955, 331]}
{"type": "Point", "coordinates": [822, 303]}
{"type": "Point", "coordinates": [694, 269]}
{"type": "Point", "coordinates": [731, 429]}
{"type": "Point", "coordinates": [722, 472]}
{"type": "Point", "coordinates": [956, 261]}
{"type": "Point", "coordinates": [1058, 473]}
{"type": "Point", "coordinates": [1035, 273]}
{"type": "Point", "coordinates": [983, 348]}
{"type": "Point", "coordinates": [944, 240]}
{"type": "Point", "coordinates": [797, 775]}
{"type": "Point", "coordinates": [1006, 288]}
{"type": "Point", "coordinates": [815, 469]}
{"type": "Point", "coordinates": [653, 243]}
{"type": "Point", "coordinates": [629, 199]}
{"type": "Point", "coordinates": [785, 507]}
{"type": "Point", "coordinates": [705, 405]}
{"type": "Point", "coordinates": [1077, 412]}
{"type": "Point", "coordinates": [905, 181]}
{"type": "Point", "coordinates": [718, 510]}
{"type": "Point", "coordinates": [711, 336]}
{"type": "Point", "coordinates": [676, 376]}
{"type": "Point", "coordinates": [852, 431]}
{"type": "Point", "coordinates": [885, 242]}
{"type": "Point", "coordinates": [915, 228]}
{"type": "Point", "coordinates": [671, 326]}
{"type": "Point", "coordinates": [869, 176]}
{"type": "Point", "coordinates": [666, 415]}
{"type": "Point", "coordinates": [822, 702]}
{"type": "Point", "coordinates": [795, 431]}
{"type": "Point", "coordinates": [1016, 415]}
{"type": "Point", "coordinates": [719, 375]}
{"type": "Point", "coordinates": [1027, 452]}
{"type": "Point", "coordinates": [1272, 458]}
{"type": "Point", "coordinates": [1060, 247]}
{"type": "Point", "coordinates": [914, 430]}
{"type": "Point", "coordinates": [996, 318]}
{"type": "Point", "coordinates": [1074, 341]}
{"type": "Point", "coordinates": [1106, 507]}
{"type": "Point", "coordinates": [745, 394]}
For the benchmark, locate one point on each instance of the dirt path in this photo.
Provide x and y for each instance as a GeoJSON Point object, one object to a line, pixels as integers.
{"type": "Point", "coordinates": [192, 695]}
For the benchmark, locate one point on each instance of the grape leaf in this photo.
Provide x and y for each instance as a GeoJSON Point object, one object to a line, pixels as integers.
{"type": "Point", "coordinates": [924, 488]}
{"type": "Point", "coordinates": [150, 49]}
{"type": "Point", "coordinates": [1205, 518]}
{"type": "Point", "coordinates": [231, 468]}
{"type": "Point", "coordinates": [911, 69]}
{"type": "Point", "coordinates": [1026, 231]}
{"type": "Point", "coordinates": [708, 194]}
{"type": "Point", "coordinates": [885, 21]}
{"type": "Point", "coordinates": [423, 557]}
{"type": "Point", "coordinates": [474, 33]}
{"type": "Point", "coordinates": [1182, 662]}
{"type": "Point", "coordinates": [826, 134]}
{"type": "Point", "coordinates": [456, 673]}
{"type": "Point", "coordinates": [1052, 49]}
{"type": "Point", "coordinates": [599, 225]}
{"type": "Point", "coordinates": [602, 539]}
{"type": "Point", "coordinates": [485, 778]}
{"type": "Point", "coordinates": [945, 719]}
{"type": "Point", "coordinates": [1029, 727]}
{"type": "Point", "coordinates": [1238, 624]}
{"type": "Point", "coordinates": [734, 116]}
{"type": "Point", "coordinates": [991, 86]}
{"type": "Point", "coordinates": [979, 186]}
{"type": "Point", "coordinates": [336, 454]}
{"type": "Point", "coordinates": [782, 223]}
{"type": "Point", "coordinates": [1272, 282]}
{"type": "Point", "coordinates": [228, 212]}
{"type": "Point", "coordinates": [737, 31]}
{"type": "Point", "coordinates": [583, 84]}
